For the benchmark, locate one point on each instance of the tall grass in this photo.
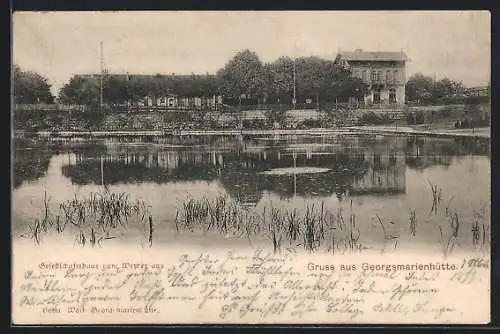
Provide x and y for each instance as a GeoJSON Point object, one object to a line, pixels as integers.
{"type": "Point", "coordinates": [309, 229]}
{"type": "Point", "coordinates": [480, 231]}
{"type": "Point", "coordinates": [313, 227]}
{"type": "Point", "coordinates": [413, 223]}
{"type": "Point", "coordinates": [387, 235]}
{"type": "Point", "coordinates": [94, 217]}
{"type": "Point", "coordinates": [436, 197]}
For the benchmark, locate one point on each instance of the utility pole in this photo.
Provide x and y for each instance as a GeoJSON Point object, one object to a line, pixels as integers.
{"type": "Point", "coordinates": [102, 74]}
{"type": "Point", "coordinates": [294, 101]}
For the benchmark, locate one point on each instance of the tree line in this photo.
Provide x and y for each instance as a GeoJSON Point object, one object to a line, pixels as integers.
{"type": "Point", "coordinates": [426, 90]}
{"type": "Point", "coordinates": [244, 79]}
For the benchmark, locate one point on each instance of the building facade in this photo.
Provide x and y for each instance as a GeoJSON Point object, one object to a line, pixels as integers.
{"type": "Point", "coordinates": [477, 91]}
{"type": "Point", "coordinates": [383, 72]}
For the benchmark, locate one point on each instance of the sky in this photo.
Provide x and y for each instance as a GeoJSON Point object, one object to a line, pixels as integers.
{"type": "Point", "coordinates": [453, 44]}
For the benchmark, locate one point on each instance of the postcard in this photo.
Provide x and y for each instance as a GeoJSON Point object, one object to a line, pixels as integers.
{"type": "Point", "coordinates": [259, 167]}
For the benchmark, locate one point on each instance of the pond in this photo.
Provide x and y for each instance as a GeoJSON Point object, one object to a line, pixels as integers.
{"type": "Point", "coordinates": [327, 193]}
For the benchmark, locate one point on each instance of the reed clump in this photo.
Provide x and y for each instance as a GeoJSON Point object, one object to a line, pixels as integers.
{"type": "Point", "coordinates": [100, 215]}
{"type": "Point", "coordinates": [480, 230]}
{"type": "Point", "coordinates": [312, 228]}
{"type": "Point", "coordinates": [413, 223]}
{"type": "Point", "coordinates": [437, 194]}
{"type": "Point", "coordinates": [94, 217]}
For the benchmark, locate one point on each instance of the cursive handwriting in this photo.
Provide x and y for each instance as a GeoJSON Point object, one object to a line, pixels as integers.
{"type": "Point", "coordinates": [242, 287]}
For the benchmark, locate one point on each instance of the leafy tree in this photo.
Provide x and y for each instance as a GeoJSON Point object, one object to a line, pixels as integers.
{"type": "Point", "coordinates": [447, 88]}
{"type": "Point", "coordinates": [81, 90]}
{"type": "Point", "coordinates": [423, 88]}
{"type": "Point", "coordinates": [242, 75]}
{"type": "Point", "coordinates": [115, 90]}
{"type": "Point", "coordinates": [280, 79]}
{"type": "Point", "coordinates": [353, 87]}
{"type": "Point", "coordinates": [417, 85]}
{"type": "Point", "coordinates": [30, 87]}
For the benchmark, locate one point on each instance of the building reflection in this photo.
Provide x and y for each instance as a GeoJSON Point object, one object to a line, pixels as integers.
{"type": "Point", "coordinates": [386, 175]}
{"type": "Point", "coordinates": [354, 165]}
{"type": "Point", "coordinates": [243, 173]}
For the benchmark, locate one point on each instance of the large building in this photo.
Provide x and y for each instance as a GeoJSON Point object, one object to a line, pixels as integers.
{"type": "Point", "coordinates": [383, 72]}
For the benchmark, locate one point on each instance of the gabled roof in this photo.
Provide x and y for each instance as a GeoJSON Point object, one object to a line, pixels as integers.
{"type": "Point", "coordinates": [373, 56]}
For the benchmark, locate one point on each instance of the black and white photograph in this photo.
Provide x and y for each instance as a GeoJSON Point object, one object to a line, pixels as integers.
{"type": "Point", "coordinates": [251, 167]}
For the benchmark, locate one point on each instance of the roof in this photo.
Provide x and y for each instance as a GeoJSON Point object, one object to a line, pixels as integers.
{"type": "Point", "coordinates": [374, 56]}
{"type": "Point", "coordinates": [477, 88]}
{"type": "Point", "coordinates": [177, 76]}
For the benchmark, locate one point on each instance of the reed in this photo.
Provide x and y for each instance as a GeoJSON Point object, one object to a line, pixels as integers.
{"type": "Point", "coordinates": [479, 232]}
{"type": "Point", "coordinates": [437, 193]}
{"type": "Point", "coordinates": [97, 216]}
{"type": "Point", "coordinates": [293, 227]}
{"type": "Point", "coordinates": [387, 235]}
{"type": "Point", "coordinates": [275, 225]}
{"type": "Point", "coordinates": [413, 223]}
{"type": "Point", "coordinates": [449, 237]}
{"type": "Point", "coordinates": [310, 241]}
{"type": "Point", "coordinates": [332, 227]}
{"type": "Point", "coordinates": [94, 217]}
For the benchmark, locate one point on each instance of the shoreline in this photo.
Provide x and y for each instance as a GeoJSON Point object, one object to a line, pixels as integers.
{"type": "Point", "coordinates": [387, 130]}
{"type": "Point", "coordinates": [478, 133]}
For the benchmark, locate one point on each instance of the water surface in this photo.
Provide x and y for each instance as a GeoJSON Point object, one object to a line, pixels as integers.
{"type": "Point", "coordinates": [367, 175]}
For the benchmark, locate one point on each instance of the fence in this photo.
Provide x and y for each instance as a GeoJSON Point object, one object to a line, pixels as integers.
{"type": "Point", "coordinates": [49, 107]}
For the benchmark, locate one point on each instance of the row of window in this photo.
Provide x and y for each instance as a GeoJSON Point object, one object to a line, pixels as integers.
{"type": "Point", "coordinates": [390, 76]}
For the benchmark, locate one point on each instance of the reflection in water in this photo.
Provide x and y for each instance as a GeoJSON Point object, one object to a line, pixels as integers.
{"type": "Point", "coordinates": [355, 165]}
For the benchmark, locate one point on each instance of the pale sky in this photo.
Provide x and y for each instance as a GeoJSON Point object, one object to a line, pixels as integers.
{"type": "Point", "coordinates": [455, 44]}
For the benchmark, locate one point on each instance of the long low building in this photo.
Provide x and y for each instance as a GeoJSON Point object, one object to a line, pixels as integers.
{"type": "Point", "coordinates": [477, 91]}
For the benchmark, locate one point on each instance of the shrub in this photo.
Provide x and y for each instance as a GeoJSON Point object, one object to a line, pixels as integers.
{"type": "Point", "coordinates": [371, 118]}
{"type": "Point", "coordinates": [473, 100]}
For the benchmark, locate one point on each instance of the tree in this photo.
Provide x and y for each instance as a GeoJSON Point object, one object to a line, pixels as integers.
{"type": "Point", "coordinates": [447, 88]}
{"type": "Point", "coordinates": [318, 77]}
{"type": "Point", "coordinates": [417, 85]}
{"type": "Point", "coordinates": [115, 90]}
{"type": "Point", "coordinates": [31, 87]}
{"type": "Point", "coordinates": [280, 79]}
{"type": "Point", "coordinates": [353, 87]}
{"type": "Point", "coordinates": [242, 75]}
{"type": "Point", "coordinates": [81, 90]}
{"type": "Point", "coordinates": [424, 88]}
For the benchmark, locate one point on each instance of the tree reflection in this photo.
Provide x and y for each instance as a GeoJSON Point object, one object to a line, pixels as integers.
{"type": "Point", "coordinates": [29, 165]}
{"type": "Point", "coordinates": [422, 152]}
{"type": "Point", "coordinates": [31, 157]}
{"type": "Point", "coordinates": [354, 165]}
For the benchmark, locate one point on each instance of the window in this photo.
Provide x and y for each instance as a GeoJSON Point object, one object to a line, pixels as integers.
{"type": "Point", "coordinates": [365, 76]}
{"type": "Point", "coordinates": [396, 77]}
{"type": "Point", "coordinates": [388, 77]}
{"type": "Point", "coordinates": [379, 75]}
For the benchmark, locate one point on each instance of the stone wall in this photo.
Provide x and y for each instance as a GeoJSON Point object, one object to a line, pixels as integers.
{"type": "Point", "coordinates": [123, 121]}
{"type": "Point", "coordinates": [75, 121]}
